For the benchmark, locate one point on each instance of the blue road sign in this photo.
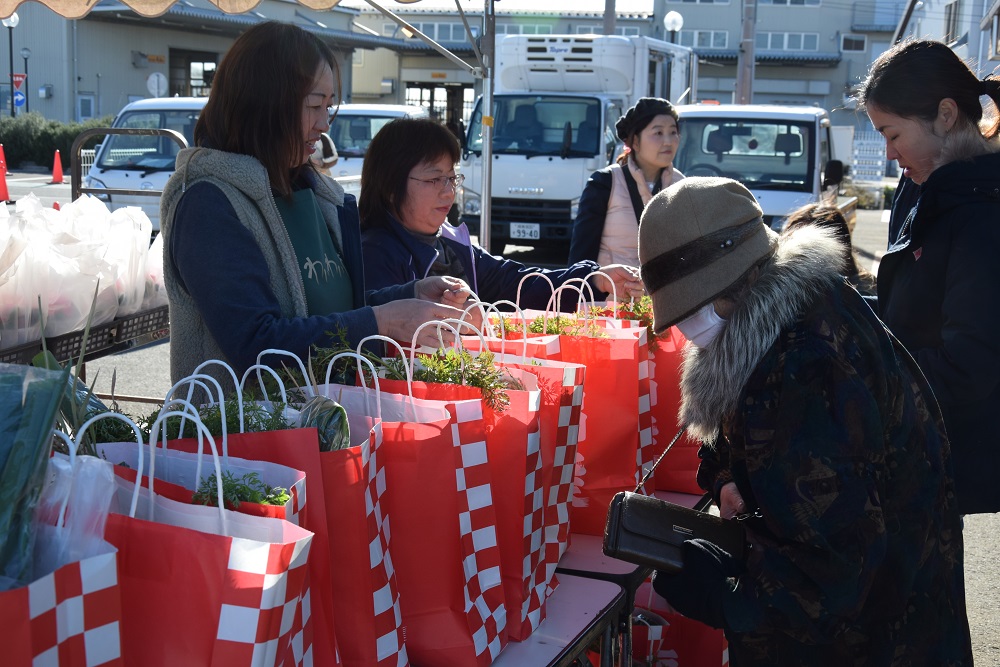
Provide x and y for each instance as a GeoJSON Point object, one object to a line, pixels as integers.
{"type": "Point", "coordinates": [18, 98]}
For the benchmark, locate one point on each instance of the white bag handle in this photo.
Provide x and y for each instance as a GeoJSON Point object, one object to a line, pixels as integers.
{"type": "Point", "coordinates": [614, 289]}
{"type": "Point", "coordinates": [503, 334]}
{"type": "Point", "coordinates": [305, 374]}
{"type": "Point", "coordinates": [263, 390]}
{"type": "Point", "coordinates": [402, 358]}
{"type": "Point", "coordinates": [440, 325]}
{"type": "Point", "coordinates": [533, 274]}
{"type": "Point", "coordinates": [190, 408]}
{"type": "Point", "coordinates": [198, 379]}
{"type": "Point", "coordinates": [371, 366]}
{"type": "Point", "coordinates": [202, 433]}
{"type": "Point", "coordinates": [83, 429]}
{"type": "Point", "coordinates": [232, 374]}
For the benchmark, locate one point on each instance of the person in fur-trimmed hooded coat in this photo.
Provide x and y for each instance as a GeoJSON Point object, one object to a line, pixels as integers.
{"type": "Point", "coordinates": [819, 431]}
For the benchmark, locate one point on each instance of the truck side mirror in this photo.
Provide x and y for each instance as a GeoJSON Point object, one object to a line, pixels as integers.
{"type": "Point", "coordinates": [833, 174]}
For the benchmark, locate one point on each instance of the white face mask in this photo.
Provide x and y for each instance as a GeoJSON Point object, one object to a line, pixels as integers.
{"type": "Point", "coordinates": [702, 327]}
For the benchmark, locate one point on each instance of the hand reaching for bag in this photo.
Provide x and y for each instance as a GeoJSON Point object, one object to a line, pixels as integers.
{"type": "Point", "coordinates": [627, 283]}
{"type": "Point", "coordinates": [399, 319]}
{"type": "Point", "coordinates": [451, 292]}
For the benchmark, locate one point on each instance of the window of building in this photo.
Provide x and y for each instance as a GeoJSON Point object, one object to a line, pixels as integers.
{"type": "Point", "coordinates": [951, 14]}
{"type": "Point", "coordinates": [627, 31]}
{"type": "Point", "coordinates": [787, 41]}
{"type": "Point", "coordinates": [791, 3]}
{"type": "Point", "coordinates": [857, 43]}
{"type": "Point", "coordinates": [191, 73]}
{"type": "Point", "coordinates": [708, 39]}
{"type": "Point", "coordinates": [701, 2]}
{"type": "Point", "coordinates": [995, 42]}
{"type": "Point", "coordinates": [523, 29]}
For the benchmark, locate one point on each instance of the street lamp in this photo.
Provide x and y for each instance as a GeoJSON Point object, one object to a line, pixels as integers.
{"type": "Point", "coordinates": [673, 22]}
{"type": "Point", "coordinates": [10, 23]}
{"type": "Point", "coordinates": [26, 53]}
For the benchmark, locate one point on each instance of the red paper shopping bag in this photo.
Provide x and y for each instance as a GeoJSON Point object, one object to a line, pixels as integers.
{"type": "Point", "coordinates": [444, 538]}
{"type": "Point", "coordinates": [69, 617]}
{"type": "Point", "coordinates": [517, 477]}
{"type": "Point", "coordinates": [616, 434]}
{"type": "Point", "coordinates": [616, 428]}
{"type": "Point", "coordinates": [297, 449]}
{"type": "Point", "coordinates": [365, 591]}
{"type": "Point", "coordinates": [561, 387]}
{"type": "Point", "coordinates": [197, 591]}
{"type": "Point", "coordinates": [178, 477]}
{"type": "Point", "coordinates": [679, 469]}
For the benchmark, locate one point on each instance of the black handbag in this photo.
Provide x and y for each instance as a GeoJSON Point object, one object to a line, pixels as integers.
{"type": "Point", "coordinates": [648, 531]}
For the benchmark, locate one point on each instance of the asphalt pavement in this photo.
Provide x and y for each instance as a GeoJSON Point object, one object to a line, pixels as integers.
{"type": "Point", "coordinates": [144, 372]}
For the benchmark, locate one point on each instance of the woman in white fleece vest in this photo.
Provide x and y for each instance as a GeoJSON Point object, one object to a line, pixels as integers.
{"type": "Point", "coordinates": [607, 226]}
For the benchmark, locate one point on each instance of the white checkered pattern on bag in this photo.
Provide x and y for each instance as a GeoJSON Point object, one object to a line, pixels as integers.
{"type": "Point", "coordinates": [57, 609]}
{"type": "Point", "coordinates": [279, 618]}
{"type": "Point", "coordinates": [296, 502]}
{"type": "Point", "coordinates": [645, 456]}
{"type": "Point", "coordinates": [561, 493]}
{"type": "Point", "coordinates": [390, 644]}
{"type": "Point", "coordinates": [484, 598]}
{"type": "Point", "coordinates": [533, 570]}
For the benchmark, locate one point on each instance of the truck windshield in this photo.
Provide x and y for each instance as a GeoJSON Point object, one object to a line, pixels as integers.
{"type": "Point", "coordinates": [762, 154]}
{"type": "Point", "coordinates": [541, 125]}
{"type": "Point", "coordinates": [352, 134]}
{"type": "Point", "coordinates": [147, 152]}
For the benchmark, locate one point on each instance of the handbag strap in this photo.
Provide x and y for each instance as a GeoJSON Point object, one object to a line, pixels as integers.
{"type": "Point", "coordinates": [653, 467]}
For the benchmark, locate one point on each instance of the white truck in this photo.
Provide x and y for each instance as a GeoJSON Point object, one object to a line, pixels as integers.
{"type": "Point", "coordinates": [783, 154]}
{"type": "Point", "coordinates": [555, 104]}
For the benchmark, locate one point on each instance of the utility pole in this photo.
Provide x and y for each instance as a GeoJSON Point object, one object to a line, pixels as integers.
{"type": "Point", "coordinates": [745, 63]}
{"type": "Point", "coordinates": [609, 17]}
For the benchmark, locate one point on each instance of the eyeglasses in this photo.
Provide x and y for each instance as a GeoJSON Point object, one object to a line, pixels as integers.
{"type": "Point", "coordinates": [452, 181]}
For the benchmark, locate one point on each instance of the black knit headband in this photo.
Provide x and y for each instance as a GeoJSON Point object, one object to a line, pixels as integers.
{"type": "Point", "coordinates": [675, 264]}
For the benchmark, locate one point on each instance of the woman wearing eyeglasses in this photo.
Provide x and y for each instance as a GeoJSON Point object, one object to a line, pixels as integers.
{"type": "Point", "coordinates": [408, 185]}
{"type": "Point", "coordinates": [261, 251]}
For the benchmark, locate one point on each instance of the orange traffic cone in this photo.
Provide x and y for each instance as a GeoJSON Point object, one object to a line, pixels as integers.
{"type": "Point", "coordinates": [57, 175]}
{"type": "Point", "coordinates": [55, 205]}
{"type": "Point", "coordinates": [4, 195]}
{"type": "Point", "coordinates": [3, 161]}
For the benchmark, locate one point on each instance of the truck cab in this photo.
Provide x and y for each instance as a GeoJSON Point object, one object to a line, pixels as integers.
{"type": "Point", "coordinates": [783, 154]}
{"type": "Point", "coordinates": [557, 100]}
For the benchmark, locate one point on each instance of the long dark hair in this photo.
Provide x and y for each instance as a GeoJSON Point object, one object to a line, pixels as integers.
{"type": "Point", "coordinates": [255, 107]}
{"type": "Point", "coordinates": [395, 150]}
{"type": "Point", "coordinates": [911, 79]}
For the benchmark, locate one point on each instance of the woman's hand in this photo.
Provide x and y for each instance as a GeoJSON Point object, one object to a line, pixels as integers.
{"type": "Point", "coordinates": [443, 289]}
{"type": "Point", "coordinates": [453, 292]}
{"type": "Point", "coordinates": [399, 319]}
{"type": "Point", "coordinates": [731, 502]}
{"type": "Point", "coordinates": [627, 283]}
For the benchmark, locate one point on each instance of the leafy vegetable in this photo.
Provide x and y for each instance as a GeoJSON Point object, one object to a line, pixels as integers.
{"type": "Point", "coordinates": [249, 488]}
{"type": "Point", "coordinates": [29, 402]}
{"type": "Point", "coordinates": [330, 419]}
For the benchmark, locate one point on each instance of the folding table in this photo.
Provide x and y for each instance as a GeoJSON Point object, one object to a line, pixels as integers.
{"type": "Point", "coordinates": [585, 558]}
{"type": "Point", "coordinates": [580, 611]}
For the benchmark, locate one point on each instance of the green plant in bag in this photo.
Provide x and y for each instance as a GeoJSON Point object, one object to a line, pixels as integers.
{"type": "Point", "coordinates": [249, 488]}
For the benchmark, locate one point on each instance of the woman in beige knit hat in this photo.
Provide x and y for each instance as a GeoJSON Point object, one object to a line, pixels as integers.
{"type": "Point", "coordinates": [818, 431]}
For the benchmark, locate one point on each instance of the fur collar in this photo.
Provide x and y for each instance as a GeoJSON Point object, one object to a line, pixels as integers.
{"type": "Point", "coordinates": [806, 263]}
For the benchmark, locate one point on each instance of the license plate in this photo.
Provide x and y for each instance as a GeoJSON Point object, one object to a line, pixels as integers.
{"type": "Point", "coordinates": [524, 230]}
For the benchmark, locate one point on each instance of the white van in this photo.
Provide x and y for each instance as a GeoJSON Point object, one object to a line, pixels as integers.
{"type": "Point", "coordinates": [353, 126]}
{"type": "Point", "coordinates": [143, 162]}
